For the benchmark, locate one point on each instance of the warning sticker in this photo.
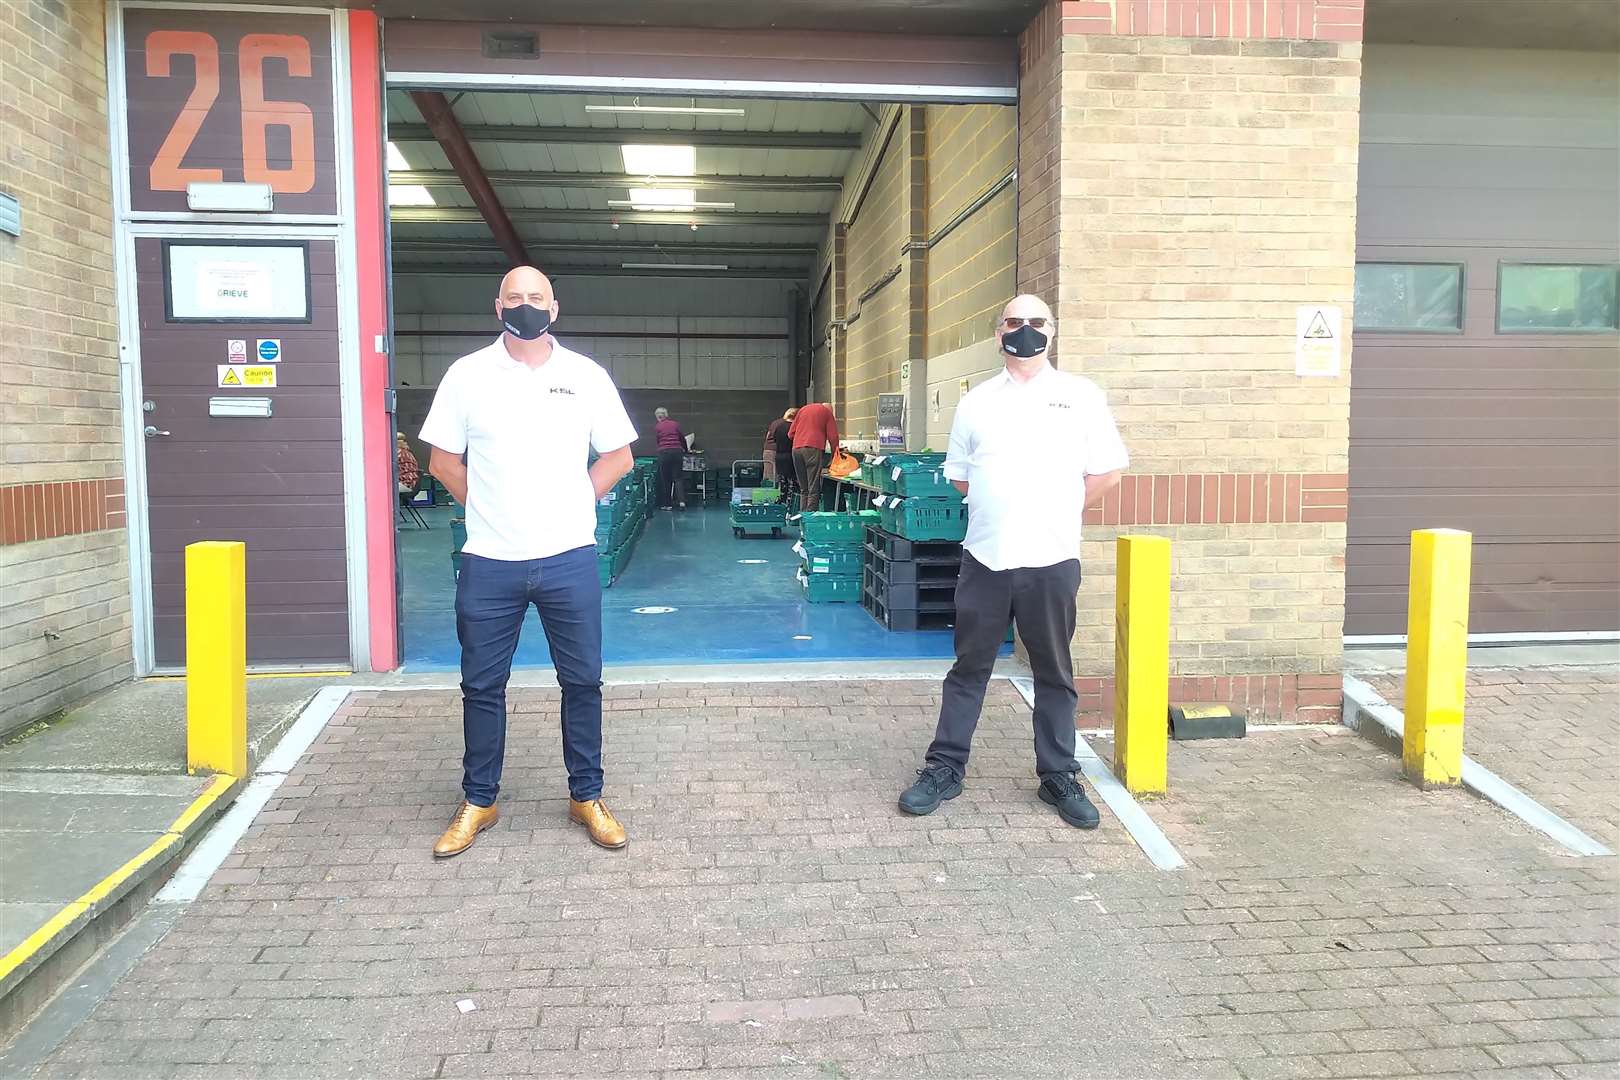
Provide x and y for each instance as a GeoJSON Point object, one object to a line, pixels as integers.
{"type": "Point", "coordinates": [236, 350]}
{"type": "Point", "coordinates": [257, 376]}
{"type": "Point", "coordinates": [1318, 332]}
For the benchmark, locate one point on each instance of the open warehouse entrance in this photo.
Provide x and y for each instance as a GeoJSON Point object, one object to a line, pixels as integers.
{"type": "Point", "coordinates": [725, 259]}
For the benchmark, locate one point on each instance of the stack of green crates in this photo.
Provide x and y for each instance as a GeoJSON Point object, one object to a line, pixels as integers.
{"type": "Point", "coordinates": [621, 516]}
{"type": "Point", "coordinates": [919, 503]}
{"type": "Point", "coordinates": [830, 553]}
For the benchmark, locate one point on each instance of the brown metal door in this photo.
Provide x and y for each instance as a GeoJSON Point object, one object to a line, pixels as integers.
{"type": "Point", "coordinates": [274, 483]}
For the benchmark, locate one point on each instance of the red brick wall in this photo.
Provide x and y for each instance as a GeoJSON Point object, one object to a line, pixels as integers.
{"type": "Point", "coordinates": [1224, 499]}
{"type": "Point", "coordinates": [67, 508]}
{"type": "Point", "coordinates": [1271, 699]}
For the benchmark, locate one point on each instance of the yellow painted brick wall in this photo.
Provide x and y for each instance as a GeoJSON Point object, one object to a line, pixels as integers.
{"type": "Point", "coordinates": [64, 608]}
{"type": "Point", "coordinates": [1206, 188]}
{"type": "Point", "coordinates": [874, 345]}
{"type": "Point", "coordinates": [970, 271]}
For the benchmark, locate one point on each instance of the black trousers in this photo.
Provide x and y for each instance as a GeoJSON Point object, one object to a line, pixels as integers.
{"type": "Point", "coordinates": [808, 464]}
{"type": "Point", "coordinates": [1040, 601]}
{"type": "Point", "coordinates": [671, 481]}
{"type": "Point", "coordinates": [787, 475]}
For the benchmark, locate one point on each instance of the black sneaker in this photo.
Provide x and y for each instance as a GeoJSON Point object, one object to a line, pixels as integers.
{"type": "Point", "coordinates": [1063, 791]}
{"type": "Point", "coordinates": [935, 784]}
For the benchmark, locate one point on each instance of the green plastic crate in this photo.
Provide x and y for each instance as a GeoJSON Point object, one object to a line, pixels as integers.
{"type": "Point", "coordinates": [833, 560]}
{"type": "Point", "coordinates": [836, 528]}
{"type": "Point", "coordinates": [920, 480]}
{"type": "Point", "coordinates": [925, 519]}
{"type": "Point", "coordinates": [830, 590]}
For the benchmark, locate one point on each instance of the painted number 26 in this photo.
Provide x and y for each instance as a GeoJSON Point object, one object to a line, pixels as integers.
{"type": "Point", "coordinates": [168, 171]}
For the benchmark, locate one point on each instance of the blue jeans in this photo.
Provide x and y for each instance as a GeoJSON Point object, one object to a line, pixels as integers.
{"type": "Point", "coordinates": [492, 597]}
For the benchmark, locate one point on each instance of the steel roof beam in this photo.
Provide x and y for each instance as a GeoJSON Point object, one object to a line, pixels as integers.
{"type": "Point", "coordinates": [677, 219]}
{"type": "Point", "coordinates": [447, 132]}
{"type": "Point", "coordinates": [580, 136]}
{"type": "Point", "coordinates": [556, 271]}
{"type": "Point", "coordinates": [582, 247]}
{"type": "Point", "coordinates": [428, 178]}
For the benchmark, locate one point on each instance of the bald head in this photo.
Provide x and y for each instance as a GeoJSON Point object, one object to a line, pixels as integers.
{"type": "Point", "coordinates": [1027, 306]}
{"type": "Point", "coordinates": [525, 285]}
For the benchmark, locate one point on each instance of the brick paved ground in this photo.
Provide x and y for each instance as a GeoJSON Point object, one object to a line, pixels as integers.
{"type": "Point", "coordinates": [1553, 732]}
{"type": "Point", "coordinates": [776, 917]}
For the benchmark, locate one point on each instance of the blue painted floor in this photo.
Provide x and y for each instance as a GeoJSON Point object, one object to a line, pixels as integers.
{"type": "Point", "coordinates": [735, 601]}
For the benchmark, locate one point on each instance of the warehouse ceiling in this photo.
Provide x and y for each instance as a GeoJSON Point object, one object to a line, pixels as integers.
{"type": "Point", "coordinates": [592, 182]}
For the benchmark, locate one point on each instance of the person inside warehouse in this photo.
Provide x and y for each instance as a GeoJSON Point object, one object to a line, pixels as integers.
{"type": "Point", "coordinates": [671, 452]}
{"type": "Point", "coordinates": [779, 455]}
{"type": "Point", "coordinates": [526, 412]}
{"type": "Point", "coordinates": [1030, 449]}
{"type": "Point", "coordinates": [813, 430]}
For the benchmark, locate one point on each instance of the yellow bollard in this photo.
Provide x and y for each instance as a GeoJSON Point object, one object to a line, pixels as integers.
{"type": "Point", "coordinates": [1142, 664]}
{"type": "Point", "coordinates": [1436, 657]}
{"type": "Point", "coordinates": [216, 657]}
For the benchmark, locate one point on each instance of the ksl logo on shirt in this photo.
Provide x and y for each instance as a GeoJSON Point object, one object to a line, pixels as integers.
{"type": "Point", "coordinates": [1058, 404]}
{"type": "Point", "coordinates": [562, 390]}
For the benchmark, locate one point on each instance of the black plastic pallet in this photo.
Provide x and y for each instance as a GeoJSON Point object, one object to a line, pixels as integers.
{"type": "Point", "coordinates": [899, 549]}
{"type": "Point", "coordinates": [910, 596]}
{"type": "Point", "coordinates": [902, 620]}
{"type": "Point", "coordinates": [938, 569]}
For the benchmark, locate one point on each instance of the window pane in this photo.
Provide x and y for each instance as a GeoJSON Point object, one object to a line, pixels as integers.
{"type": "Point", "coordinates": [1558, 298]}
{"type": "Point", "coordinates": [1394, 296]}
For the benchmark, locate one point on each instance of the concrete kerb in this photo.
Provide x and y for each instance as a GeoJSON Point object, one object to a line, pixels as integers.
{"type": "Point", "coordinates": [35, 969]}
{"type": "Point", "coordinates": [1142, 828]}
{"type": "Point", "coordinates": [1367, 713]}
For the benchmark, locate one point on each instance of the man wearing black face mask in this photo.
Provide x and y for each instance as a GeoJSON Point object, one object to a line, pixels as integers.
{"type": "Point", "coordinates": [1030, 449]}
{"type": "Point", "coordinates": [526, 411]}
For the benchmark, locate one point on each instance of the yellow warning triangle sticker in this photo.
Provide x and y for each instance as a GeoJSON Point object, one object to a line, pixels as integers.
{"type": "Point", "coordinates": [230, 379]}
{"type": "Point", "coordinates": [1318, 328]}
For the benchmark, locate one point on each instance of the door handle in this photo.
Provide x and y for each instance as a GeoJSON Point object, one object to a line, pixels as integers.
{"type": "Point", "coordinates": [152, 432]}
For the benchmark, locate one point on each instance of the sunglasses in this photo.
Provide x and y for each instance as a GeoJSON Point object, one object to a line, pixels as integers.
{"type": "Point", "coordinates": [1012, 322]}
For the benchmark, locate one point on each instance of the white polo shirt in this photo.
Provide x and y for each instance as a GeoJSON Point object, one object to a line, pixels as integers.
{"type": "Point", "coordinates": [1025, 450]}
{"type": "Point", "coordinates": [527, 433]}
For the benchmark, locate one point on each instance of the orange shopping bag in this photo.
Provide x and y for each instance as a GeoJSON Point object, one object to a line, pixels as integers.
{"type": "Point", "coordinates": [843, 464]}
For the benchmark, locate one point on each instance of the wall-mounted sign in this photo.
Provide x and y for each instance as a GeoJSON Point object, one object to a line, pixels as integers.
{"type": "Point", "coordinates": [266, 281]}
{"type": "Point", "coordinates": [254, 376]}
{"type": "Point", "coordinates": [236, 350]}
{"type": "Point", "coordinates": [1318, 332]}
{"type": "Point", "coordinates": [229, 97]}
{"type": "Point", "coordinates": [269, 350]}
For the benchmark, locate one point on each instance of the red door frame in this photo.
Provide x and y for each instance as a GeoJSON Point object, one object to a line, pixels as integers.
{"type": "Point", "coordinates": [371, 273]}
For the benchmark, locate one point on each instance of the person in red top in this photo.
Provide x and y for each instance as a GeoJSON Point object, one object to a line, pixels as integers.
{"type": "Point", "coordinates": [671, 452]}
{"type": "Point", "coordinates": [814, 429]}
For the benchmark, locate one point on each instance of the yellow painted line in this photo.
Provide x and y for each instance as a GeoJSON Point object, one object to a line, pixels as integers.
{"type": "Point", "coordinates": [264, 675]}
{"type": "Point", "coordinates": [171, 837]}
{"type": "Point", "coordinates": [211, 793]}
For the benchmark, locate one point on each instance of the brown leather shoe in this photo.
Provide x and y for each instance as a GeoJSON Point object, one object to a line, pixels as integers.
{"type": "Point", "coordinates": [464, 828]}
{"type": "Point", "coordinates": [604, 828]}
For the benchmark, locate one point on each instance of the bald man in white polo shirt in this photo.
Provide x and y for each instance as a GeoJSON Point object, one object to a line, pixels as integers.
{"type": "Point", "coordinates": [1030, 448]}
{"type": "Point", "coordinates": [526, 412]}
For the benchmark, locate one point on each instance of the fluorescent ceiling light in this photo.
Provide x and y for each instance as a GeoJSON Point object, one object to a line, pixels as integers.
{"type": "Point", "coordinates": [396, 160]}
{"type": "Point", "coordinates": [673, 266]}
{"type": "Point", "coordinates": [667, 110]}
{"type": "Point", "coordinates": [642, 160]}
{"type": "Point", "coordinates": [409, 195]}
{"type": "Point", "coordinates": [674, 199]}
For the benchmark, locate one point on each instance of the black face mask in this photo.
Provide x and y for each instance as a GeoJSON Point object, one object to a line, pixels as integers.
{"type": "Point", "coordinates": [1024, 342]}
{"type": "Point", "coordinates": [525, 321]}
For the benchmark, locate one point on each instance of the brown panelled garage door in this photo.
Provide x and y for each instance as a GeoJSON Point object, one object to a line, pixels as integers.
{"type": "Point", "coordinates": [1513, 440]}
{"type": "Point", "coordinates": [1478, 158]}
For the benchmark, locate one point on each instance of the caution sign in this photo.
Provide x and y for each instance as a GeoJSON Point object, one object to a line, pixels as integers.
{"type": "Point", "coordinates": [1318, 334]}
{"type": "Point", "coordinates": [252, 376]}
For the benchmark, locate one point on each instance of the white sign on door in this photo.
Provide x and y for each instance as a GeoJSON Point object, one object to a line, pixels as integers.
{"type": "Point", "coordinates": [1318, 334]}
{"type": "Point", "coordinates": [230, 288]}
